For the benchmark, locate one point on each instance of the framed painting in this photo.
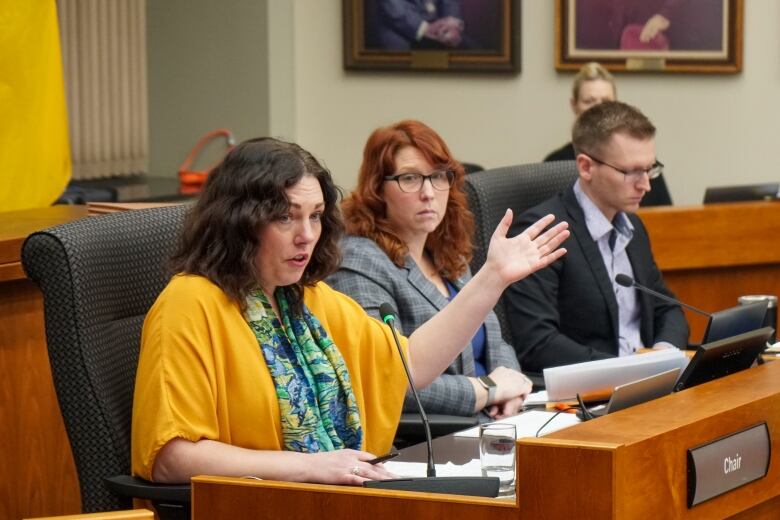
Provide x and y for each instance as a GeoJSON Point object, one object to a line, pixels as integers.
{"type": "Point", "coordinates": [432, 35]}
{"type": "Point", "coordinates": [703, 36]}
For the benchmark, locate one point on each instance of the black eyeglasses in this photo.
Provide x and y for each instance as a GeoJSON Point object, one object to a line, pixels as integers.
{"type": "Point", "coordinates": [412, 182]}
{"type": "Point", "coordinates": [634, 175]}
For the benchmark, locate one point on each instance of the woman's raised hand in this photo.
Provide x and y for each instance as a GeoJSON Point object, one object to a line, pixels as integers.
{"type": "Point", "coordinates": [512, 259]}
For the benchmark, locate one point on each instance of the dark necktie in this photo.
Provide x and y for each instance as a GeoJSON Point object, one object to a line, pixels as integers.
{"type": "Point", "coordinates": [612, 239]}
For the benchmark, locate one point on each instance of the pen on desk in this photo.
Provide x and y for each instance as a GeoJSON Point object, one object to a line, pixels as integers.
{"type": "Point", "coordinates": [377, 460]}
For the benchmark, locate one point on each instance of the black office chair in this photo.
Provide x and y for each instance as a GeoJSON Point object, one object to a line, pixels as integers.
{"type": "Point", "coordinates": [99, 277]}
{"type": "Point", "coordinates": [410, 427]}
{"type": "Point", "coordinates": [520, 188]}
{"type": "Point", "coordinates": [472, 167]}
{"type": "Point", "coordinates": [658, 195]}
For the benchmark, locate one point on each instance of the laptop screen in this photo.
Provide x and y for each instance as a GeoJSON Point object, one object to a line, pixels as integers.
{"type": "Point", "coordinates": [767, 191]}
{"type": "Point", "coordinates": [736, 320]}
{"type": "Point", "coordinates": [724, 357]}
{"type": "Point", "coordinates": [643, 390]}
{"type": "Point", "coordinates": [636, 392]}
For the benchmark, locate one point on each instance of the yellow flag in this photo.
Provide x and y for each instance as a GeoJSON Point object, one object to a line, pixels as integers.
{"type": "Point", "coordinates": [34, 152]}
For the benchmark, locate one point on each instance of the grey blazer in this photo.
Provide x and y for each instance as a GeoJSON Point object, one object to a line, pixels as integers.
{"type": "Point", "coordinates": [371, 278]}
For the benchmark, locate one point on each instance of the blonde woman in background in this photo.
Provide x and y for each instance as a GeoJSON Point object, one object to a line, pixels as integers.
{"type": "Point", "coordinates": [593, 84]}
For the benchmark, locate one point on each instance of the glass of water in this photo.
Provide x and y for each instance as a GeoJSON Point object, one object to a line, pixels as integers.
{"type": "Point", "coordinates": [497, 452]}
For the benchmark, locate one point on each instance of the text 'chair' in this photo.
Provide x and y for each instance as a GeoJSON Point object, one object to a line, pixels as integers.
{"type": "Point", "coordinates": [99, 276]}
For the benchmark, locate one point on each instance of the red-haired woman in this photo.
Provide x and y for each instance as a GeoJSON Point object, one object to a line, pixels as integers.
{"type": "Point", "coordinates": [409, 245]}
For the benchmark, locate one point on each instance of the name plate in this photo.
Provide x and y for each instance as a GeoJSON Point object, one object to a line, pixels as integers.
{"type": "Point", "coordinates": [727, 463]}
{"type": "Point", "coordinates": [430, 60]}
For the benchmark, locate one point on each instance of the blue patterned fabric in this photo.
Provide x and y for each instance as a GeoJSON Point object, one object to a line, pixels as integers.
{"type": "Point", "coordinates": [318, 408]}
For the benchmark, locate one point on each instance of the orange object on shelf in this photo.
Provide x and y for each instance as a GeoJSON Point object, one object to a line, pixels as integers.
{"type": "Point", "coordinates": [191, 180]}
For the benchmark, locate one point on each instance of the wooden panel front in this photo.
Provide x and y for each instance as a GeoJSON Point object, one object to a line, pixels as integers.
{"type": "Point", "coordinates": [714, 235]}
{"type": "Point", "coordinates": [37, 472]}
{"type": "Point", "coordinates": [562, 479]}
{"type": "Point", "coordinates": [649, 444]}
{"type": "Point", "coordinates": [128, 514]}
{"type": "Point", "coordinates": [627, 465]}
{"type": "Point", "coordinates": [718, 288]}
{"type": "Point", "coordinates": [217, 497]}
{"type": "Point", "coordinates": [710, 255]}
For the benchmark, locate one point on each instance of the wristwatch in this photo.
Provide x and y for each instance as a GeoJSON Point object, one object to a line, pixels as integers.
{"type": "Point", "coordinates": [489, 385]}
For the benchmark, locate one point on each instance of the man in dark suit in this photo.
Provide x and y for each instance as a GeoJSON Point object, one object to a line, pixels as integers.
{"type": "Point", "coordinates": [410, 24]}
{"type": "Point", "coordinates": [573, 310]}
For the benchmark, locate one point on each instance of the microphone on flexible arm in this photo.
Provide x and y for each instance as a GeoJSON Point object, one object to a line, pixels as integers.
{"type": "Point", "coordinates": [388, 316]}
{"type": "Point", "coordinates": [627, 281]}
{"type": "Point", "coordinates": [474, 486]}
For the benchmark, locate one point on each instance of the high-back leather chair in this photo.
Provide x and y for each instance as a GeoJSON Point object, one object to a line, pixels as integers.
{"type": "Point", "coordinates": [522, 187]}
{"type": "Point", "coordinates": [99, 276]}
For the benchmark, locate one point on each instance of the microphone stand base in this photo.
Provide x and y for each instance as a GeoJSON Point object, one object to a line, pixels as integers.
{"type": "Point", "coordinates": [471, 486]}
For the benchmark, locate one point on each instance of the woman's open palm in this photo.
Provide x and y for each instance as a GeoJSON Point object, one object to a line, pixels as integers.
{"type": "Point", "coordinates": [515, 258]}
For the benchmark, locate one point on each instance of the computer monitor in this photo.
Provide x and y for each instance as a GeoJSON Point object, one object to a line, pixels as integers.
{"type": "Point", "coordinates": [733, 321]}
{"type": "Point", "coordinates": [747, 192]}
{"type": "Point", "coordinates": [723, 357]}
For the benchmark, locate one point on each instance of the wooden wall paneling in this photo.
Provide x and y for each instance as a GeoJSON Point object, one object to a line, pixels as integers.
{"type": "Point", "coordinates": [712, 254]}
{"type": "Point", "coordinates": [714, 235]}
{"type": "Point", "coordinates": [37, 473]}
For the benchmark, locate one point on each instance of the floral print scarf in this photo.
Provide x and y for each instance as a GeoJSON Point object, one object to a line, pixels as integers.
{"type": "Point", "coordinates": [318, 408]}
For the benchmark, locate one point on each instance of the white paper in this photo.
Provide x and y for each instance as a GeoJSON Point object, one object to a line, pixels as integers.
{"type": "Point", "coordinates": [420, 469]}
{"type": "Point", "coordinates": [565, 382]}
{"type": "Point", "coordinates": [536, 398]}
{"type": "Point", "coordinates": [528, 423]}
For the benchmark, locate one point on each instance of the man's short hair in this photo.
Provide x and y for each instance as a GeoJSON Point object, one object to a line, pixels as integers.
{"type": "Point", "coordinates": [596, 126]}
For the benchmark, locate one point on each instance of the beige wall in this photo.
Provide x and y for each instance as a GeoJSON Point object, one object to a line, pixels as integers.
{"type": "Point", "coordinates": [712, 129]}
{"type": "Point", "coordinates": [208, 69]}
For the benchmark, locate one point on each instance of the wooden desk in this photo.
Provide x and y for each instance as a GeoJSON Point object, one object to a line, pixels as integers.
{"type": "Point", "coordinates": [37, 473]}
{"type": "Point", "coordinates": [633, 463]}
{"type": "Point", "coordinates": [627, 465]}
{"type": "Point", "coordinates": [710, 255]}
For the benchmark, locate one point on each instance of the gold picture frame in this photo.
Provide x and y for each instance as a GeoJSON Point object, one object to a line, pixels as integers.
{"type": "Point", "coordinates": [385, 35]}
{"type": "Point", "coordinates": [700, 36]}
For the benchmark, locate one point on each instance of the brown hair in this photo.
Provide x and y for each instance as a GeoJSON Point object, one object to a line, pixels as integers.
{"type": "Point", "coordinates": [365, 211]}
{"type": "Point", "coordinates": [591, 71]}
{"type": "Point", "coordinates": [596, 126]}
{"type": "Point", "coordinates": [243, 193]}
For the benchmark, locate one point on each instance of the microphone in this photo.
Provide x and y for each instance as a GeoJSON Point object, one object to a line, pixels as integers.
{"type": "Point", "coordinates": [627, 281]}
{"type": "Point", "coordinates": [387, 313]}
{"type": "Point", "coordinates": [473, 486]}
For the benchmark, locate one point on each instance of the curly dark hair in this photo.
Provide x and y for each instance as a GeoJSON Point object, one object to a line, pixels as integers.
{"type": "Point", "coordinates": [242, 194]}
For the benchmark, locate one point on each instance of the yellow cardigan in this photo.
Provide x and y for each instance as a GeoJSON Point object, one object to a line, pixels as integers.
{"type": "Point", "coordinates": [201, 374]}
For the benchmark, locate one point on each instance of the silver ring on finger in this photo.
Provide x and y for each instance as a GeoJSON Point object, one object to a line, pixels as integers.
{"type": "Point", "coordinates": [356, 471]}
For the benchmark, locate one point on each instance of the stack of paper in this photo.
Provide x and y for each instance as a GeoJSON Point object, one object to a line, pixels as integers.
{"type": "Point", "coordinates": [565, 382]}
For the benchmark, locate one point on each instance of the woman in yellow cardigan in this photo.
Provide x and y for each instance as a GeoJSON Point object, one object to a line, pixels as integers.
{"type": "Point", "coordinates": [251, 365]}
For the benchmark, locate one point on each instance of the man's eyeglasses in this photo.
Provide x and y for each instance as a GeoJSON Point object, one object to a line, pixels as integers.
{"type": "Point", "coordinates": [634, 175]}
{"type": "Point", "coordinates": [413, 182]}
